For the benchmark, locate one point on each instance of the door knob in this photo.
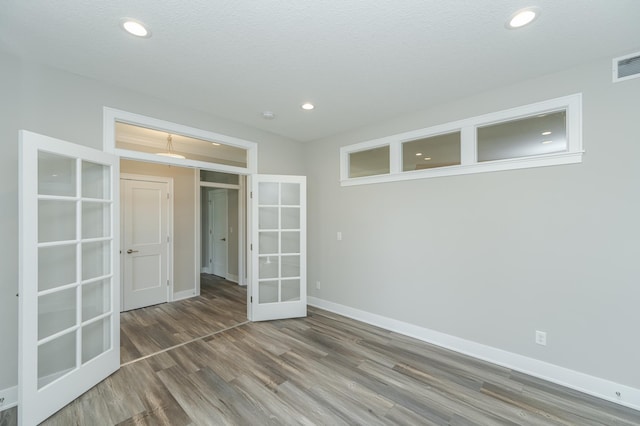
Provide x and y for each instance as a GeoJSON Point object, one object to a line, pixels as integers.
{"type": "Point", "coordinates": [223, 239]}
{"type": "Point", "coordinates": [131, 251]}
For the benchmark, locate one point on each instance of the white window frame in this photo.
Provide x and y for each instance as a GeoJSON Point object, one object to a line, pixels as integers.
{"type": "Point", "coordinates": [468, 129]}
{"type": "Point", "coordinates": [113, 116]}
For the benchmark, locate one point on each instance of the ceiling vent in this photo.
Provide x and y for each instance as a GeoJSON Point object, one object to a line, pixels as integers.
{"type": "Point", "coordinates": [626, 67]}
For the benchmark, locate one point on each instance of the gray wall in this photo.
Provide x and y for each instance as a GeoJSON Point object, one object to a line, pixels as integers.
{"type": "Point", "coordinates": [9, 119]}
{"type": "Point", "coordinates": [69, 107]}
{"type": "Point", "coordinates": [492, 257]}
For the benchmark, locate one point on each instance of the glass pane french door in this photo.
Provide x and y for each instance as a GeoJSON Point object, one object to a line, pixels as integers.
{"type": "Point", "coordinates": [69, 279]}
{"type": "Point", "coordinates": [278, 281]}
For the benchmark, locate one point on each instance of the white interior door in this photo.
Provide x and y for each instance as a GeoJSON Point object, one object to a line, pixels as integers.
{"type": "Point", "coordinates": [145, 243]}
{"type": "Point", "coordinates": [278, 247]}
{"type": "Point", "coordinates": [220, 227]}
{"type": "Point", "coordinates": [69, 323]}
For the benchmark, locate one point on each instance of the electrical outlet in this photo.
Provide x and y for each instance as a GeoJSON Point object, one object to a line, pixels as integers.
{"type": "Point", "coordinates": [339, 236]}
{"type": "Point", "coordinates": [317, 285]}
{"type": "Point", "coordinates": [541, 338]}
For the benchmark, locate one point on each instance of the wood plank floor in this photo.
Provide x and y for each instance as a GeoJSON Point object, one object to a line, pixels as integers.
{"type": "Point", "coordinates": [322, 370]}
{"type": "Point", "coordinates": [221, 305]}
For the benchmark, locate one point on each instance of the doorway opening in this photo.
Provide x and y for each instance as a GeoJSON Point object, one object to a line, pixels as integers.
{"type": "Point", "coordinates": [219, 219]}
{"type": "Point", "coordinates": [191, 241]}
{"type": "Point", "coordinates": [222, 226]}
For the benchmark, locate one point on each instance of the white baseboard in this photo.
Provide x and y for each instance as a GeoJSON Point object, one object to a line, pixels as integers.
{"type": "Point", "coordinates": [185, 294]}
{"type": "Point", "coordinates": [595, 386]}
{"type": "Point", "coordinates": [9, 398]}
{"type": "Point", "coordinates": [233, 278]}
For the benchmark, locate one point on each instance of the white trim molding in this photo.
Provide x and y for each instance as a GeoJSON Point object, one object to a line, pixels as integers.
{"type": "Point", "coordinates": [468, 129]}
{"type": "Point", "coordinates": [184, 294]}
{"type": "Point", "coordinates": [9, 398]}
{"type": "Point", "coordinates": [591, 385]}
{"type": "Point", "coordinates": [112, 115]}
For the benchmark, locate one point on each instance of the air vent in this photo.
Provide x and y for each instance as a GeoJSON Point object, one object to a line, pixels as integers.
{"type": "Point", "coordinates": [626, 67]}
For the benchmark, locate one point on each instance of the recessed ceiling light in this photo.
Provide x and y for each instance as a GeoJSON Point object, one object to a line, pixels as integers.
{"type": "Point", "coordinates": [135, 27]}
{"type": "Point", "coordinates": [268, 115]}
{"type": "Point", "coordinates": [427, 158]}
{"type": "Point", "coordinates": [215, 144]}
{"type": "Point", "coordinates": [547, 133]}
{"type": "Point", "coordinates": [546, 142]}
{"type": "Point", "coordinates": [418, 154]}
{"type": "Point", "coordinates": [308, 106]}
{"type": "Point", "coordinates": [522, 18]}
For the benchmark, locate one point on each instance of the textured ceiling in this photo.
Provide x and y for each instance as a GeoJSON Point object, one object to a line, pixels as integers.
{"type": "Point", "coordinates": [360, 62]}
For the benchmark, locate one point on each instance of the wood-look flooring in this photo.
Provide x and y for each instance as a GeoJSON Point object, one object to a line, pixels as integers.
{"type": "Point", "coordinates": [321, 370]}
{"type": "Point", "coordinates": [221, 305]}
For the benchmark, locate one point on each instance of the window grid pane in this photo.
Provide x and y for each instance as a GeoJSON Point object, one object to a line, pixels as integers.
{"type": "Point", "coordinates": [431, 152]}
{"type": "Point", "coordinates": [525, 137]}
{"type": "Point", "coordinates": [369, 162]}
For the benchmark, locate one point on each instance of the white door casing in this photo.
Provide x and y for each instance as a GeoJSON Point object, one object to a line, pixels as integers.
{"type": "Point", "coordinates": [69, 323]}
{"type": "Point", "coordinates": [145, 242]}
{"type": "Point", "coordinates": [278, 247]}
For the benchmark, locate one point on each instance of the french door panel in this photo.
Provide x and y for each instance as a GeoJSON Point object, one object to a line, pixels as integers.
{"type": "Point", "coordinates": [278, 247]}
{"type": "Point", "coordinates": [69, 324]}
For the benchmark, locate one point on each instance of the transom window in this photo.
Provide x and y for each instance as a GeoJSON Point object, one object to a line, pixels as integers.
{"type": "Point", "coordinates": [369, 162]}
{"type": "Point", "coordinates": [525, 137]}
{"type": "Point", "coordinates": [142, 138]}
{"type": "Point", "coordinates": [430, 152]}
{"type": "Point", "coordinates": [542, 134]}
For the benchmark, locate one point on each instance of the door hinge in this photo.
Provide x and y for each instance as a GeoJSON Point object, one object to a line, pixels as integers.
{"type": "Point", "coordinates": [251, 299]}
{"type": "Point", "coordinates": [167, 238]}
{"type": "Point", "coordinates": [167, 283]}
{"type": "Point", "coordinates": [251, 194]}
{"type": "Point", "coordinates": [167, 195]}
{"type": "Point", "coordinates": [251, 246]}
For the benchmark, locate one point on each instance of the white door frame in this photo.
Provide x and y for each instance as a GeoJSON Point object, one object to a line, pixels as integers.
{"type": "Point", "coordinates": [169, 182]}
{"type": "Point", "coordinates": [242, 225]}
{"type": "Point", "coordinates": [111, 116]}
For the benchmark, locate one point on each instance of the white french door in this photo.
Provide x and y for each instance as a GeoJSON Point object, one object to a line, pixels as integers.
{"type": "Point", "coordinates": [69, 323]}
{"type": "Point", "coordinates": [278, 247]}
